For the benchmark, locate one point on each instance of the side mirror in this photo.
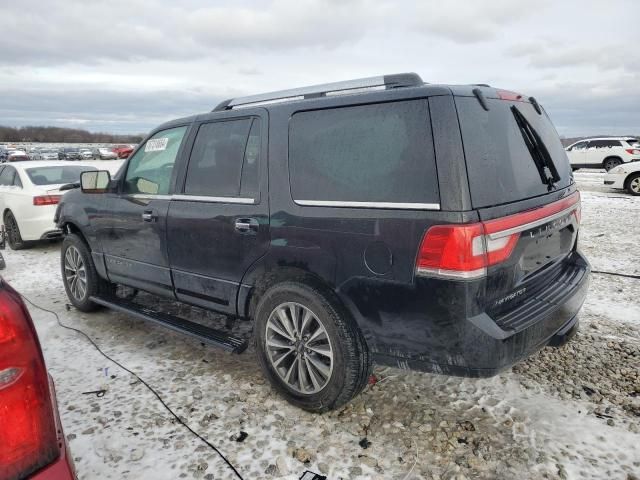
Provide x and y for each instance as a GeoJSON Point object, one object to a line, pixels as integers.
{"type": "Point", "coordinates": [95, 181]}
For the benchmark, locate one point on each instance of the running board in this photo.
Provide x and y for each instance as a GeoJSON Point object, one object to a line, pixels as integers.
{"type": "Point", "coordinates": [208, 335]}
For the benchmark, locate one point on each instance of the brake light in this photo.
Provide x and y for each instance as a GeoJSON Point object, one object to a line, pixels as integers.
{"type": "Point", "coordinates": [466, 250]}
{"type": "Point", "coordinates": [633, 151]}
{"type": "Point", "coordinates": [512, 96]}
{"type": "Point", "coordinates": [46, 200]}
{"type": "Point", "coordinates": [28, 438]}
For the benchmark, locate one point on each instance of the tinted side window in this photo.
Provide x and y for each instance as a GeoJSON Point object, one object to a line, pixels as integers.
{"type": "Point", "coordinates": [579, 146]}
{"type": "Point", "coordinates": [150, 169]}
{"type": "Point", "coordinates": [603, 143]}
{"type": "Point", "coordinates": [216, 162]}
{"type": "Point", "coordinates": [251, 163]}
{"type": "Point", "coordinates": [371, 153]}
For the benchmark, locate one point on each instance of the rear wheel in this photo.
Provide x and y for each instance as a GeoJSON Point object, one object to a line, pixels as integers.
{"type": "Point", "coordinates": [309, 348]}
{"type": "Point", "coordinates": [610, 163]}
{"type": "Point", "coordinates": [81, 281]}
{"type": "Point", "coordinates": [13, 233]}
{"type": "Point", "coordinates": [633, 184]}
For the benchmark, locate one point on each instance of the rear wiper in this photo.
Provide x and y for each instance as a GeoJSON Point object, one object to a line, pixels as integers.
{"type": "Point", "coordinates": [541, 157]}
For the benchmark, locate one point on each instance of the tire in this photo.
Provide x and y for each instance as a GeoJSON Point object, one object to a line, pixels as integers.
{"type": "Point", "coordinates": [632, 184]}
{"type": "Point", "coordinates": [610, 163]}
{"type": "Point", "coordinates": [14, 238]}
{"type": "Point", "coordinates": [349, 366]}
{"type": "Point", "coordinates": [76, 263]}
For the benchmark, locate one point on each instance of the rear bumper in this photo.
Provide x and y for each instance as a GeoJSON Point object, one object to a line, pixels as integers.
{"type": "Point", "coordinates": [428, 328]}
{"type": "Point", "coordinates": [36, 222]}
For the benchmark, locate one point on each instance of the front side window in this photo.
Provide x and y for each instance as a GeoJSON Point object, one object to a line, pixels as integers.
{"type": "Point", "coordinates": [149, 170]}
{"type": "Point", "coordinates": [380, 153]}
{"type": "Point", "coordinates": [579, 146]}
{"type": "Point", "coordinates": [224, 159]}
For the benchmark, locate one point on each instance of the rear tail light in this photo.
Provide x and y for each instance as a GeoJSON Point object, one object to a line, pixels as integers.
{"type": "Point", "coordinates": [28, 437]}
{"type": "Point", "coordinates": [46, 200]}
{"type": "Point", "coordinates": [465, 251]}
{"type": "Point", "coordinates": [633, 151]}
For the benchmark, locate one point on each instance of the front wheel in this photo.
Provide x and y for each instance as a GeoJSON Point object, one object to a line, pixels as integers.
{"type": "Point", "coordinates": [309, 348]}
{"type": "Point", "coordinates": [81, 281]}
{"type": "Point", "coordinates": [633, 184]}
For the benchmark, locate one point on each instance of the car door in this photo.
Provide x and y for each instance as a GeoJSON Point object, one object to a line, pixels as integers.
{"type": "Point", "coordinates": [218, 224]}
{"type": "Point", "coordinates": [596, 151]}
{"type": "Point", "coordinates": [578, 153]}
{"type": "Point", "coordinates": [134, 240]}
{"type": "Point", "coordinates": [10, 187]}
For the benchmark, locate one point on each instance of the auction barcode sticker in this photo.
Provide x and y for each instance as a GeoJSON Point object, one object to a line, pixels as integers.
{"type": "Point", "coordinates": [156, 145]}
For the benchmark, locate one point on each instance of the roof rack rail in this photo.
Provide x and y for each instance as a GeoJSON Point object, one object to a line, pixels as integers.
{"type": "Point", "coordinates": [397, 80]}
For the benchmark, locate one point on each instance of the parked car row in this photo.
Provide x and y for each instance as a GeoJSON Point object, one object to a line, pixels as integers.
{"type": "Point", "coordinates": [12, 154]}
{"type": "Point", "coordinates": [605, 152]}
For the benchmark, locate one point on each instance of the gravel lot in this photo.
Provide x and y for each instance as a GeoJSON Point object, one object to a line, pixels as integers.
{"type": "Point", "coordinates": [572, 412]}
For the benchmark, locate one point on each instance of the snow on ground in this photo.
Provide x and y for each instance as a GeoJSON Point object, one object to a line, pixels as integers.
{"type": "Point", "coordinates": [572, 412]}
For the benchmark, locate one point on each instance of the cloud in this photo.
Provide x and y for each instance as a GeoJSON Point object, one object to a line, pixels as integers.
{"type": "Point", "coordinates": [128, 65]}
{"type": "Point", "coordinates": [467, 22]}
{"type": "Point", "coordinates": [134, 30]}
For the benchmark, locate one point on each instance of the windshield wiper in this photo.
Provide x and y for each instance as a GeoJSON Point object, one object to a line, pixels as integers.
{"type": "Point", "coordinates": [539, 153]}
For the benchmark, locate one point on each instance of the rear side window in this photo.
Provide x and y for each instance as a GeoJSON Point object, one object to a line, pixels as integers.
{"type": "Point", "coordinates": [604, 143]}
{"type": "Point", "coordinates": [7, 176]}
{"type": "Point", "coordinates": [374, 153]}
{"type": "Point", "coordinates": [501, 168]}
{"type": "Point", "coordinates": [224, 159]}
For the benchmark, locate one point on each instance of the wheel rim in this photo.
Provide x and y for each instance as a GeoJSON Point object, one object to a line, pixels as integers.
{"type": "Point", "coordinates": [634, 185]}
{"type": "Point", "coordinates": [75, 273]}
{"type": "Point", "coordinates": [299, 348]}
{"type": "Point", "coordinates": [610, 164]}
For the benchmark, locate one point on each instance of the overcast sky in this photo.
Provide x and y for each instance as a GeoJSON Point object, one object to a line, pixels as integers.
{"type": "Point", "coordinates": [124, 66]}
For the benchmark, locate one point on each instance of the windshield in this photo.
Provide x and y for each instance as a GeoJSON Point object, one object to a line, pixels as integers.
{"type": "Point", "coordinates": [56, 175]}
{"type": "Point", "coordinates": [511, 154]}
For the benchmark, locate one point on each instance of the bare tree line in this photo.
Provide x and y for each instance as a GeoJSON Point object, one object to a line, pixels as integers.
{"type": "Point", "coordinates": [62, 135]}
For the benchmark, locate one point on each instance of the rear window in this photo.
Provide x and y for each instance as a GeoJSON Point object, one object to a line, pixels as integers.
{"type": "Point", "coordinates": [56, 175]}
{"type": "Point", "coordinates": [501, 168]}
{"type": "Point", "coordinates": [380, 153]}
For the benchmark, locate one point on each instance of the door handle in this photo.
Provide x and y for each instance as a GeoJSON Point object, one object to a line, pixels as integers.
{"type": "Point", "coordinates": [247, 225]}
{"type": "Point", "coordinates": [149, 216]}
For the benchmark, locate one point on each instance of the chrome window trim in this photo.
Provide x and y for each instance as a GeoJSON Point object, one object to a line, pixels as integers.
{"type": "Point", "coordinates": [148, 196]}
{"type": "Point", "coordinates": [385, 205]}
{"type": "Point", "coordinates": [205, 198]}
{"type": "Point", "coordinates": [194, 198]}
{"type": "Point", "coordinates": [534, 224]}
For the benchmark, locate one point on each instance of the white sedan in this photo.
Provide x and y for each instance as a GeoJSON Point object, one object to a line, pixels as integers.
{"type": "Point", "coordinates": [624, 177]}
{"type": "Point", "coordinates": [29, 194]}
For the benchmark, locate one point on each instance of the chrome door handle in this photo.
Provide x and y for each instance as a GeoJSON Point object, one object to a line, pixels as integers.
{"type": "Point", "coordinates": [247, 225]}
{"type": "Point", "coordinates": [148, 216]}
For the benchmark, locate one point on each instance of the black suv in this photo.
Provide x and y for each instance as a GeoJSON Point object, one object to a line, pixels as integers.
{"type": "Point", "coordinates": [384, 220]}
